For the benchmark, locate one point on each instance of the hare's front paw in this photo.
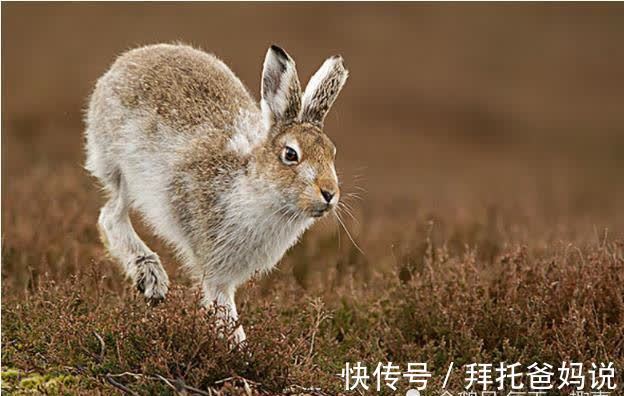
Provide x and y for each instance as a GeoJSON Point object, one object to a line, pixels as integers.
{"type": "Point", "coordinates": [239, 335]}
{"type": "Point", "coordinates": [151, 278]}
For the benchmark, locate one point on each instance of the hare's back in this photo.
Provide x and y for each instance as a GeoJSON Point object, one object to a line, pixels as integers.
{"type": "Point", "coordinates": [183, 86]}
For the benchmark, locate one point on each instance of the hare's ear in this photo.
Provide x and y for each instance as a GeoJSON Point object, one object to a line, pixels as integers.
{"type": "Point", "coordinates": [281, 92]}
{"type": "Point", "coordinates": [322, 90]}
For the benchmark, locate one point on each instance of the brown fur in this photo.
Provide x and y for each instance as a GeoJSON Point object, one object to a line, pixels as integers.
{"type": "Point", "coordinates": [317, 151]}
{"type": "Point", "coordinates": [204, 171]}
{"type": "Point", "coordinates": [184, 86]}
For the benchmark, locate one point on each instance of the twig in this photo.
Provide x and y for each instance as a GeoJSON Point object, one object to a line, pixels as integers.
{"type": "Point", "coordinates": [298, 389]}
{"type": "Point", "coordinates": [197, 350]}
{"type": "Point", "coordinates": [166, 381]}
{"type": "Point", "coordinates": [102, 347]}
{"type": "Point", "coordinates": [119, 386]}
{"type": "Point", "coordinates": [127, 373]}
{"type": "Point", "coordinates": [121, 362]}
{"type": "Point", "coordinates": [223, 380]}
{"type": "Point", "coordinates": [247, 387]}
{"type": "Point", "coordinates": [198, 391]}
{"type": "Point", "coordinates": [320, 316]}
{"type": "Point", "coordinates": [246, 382]}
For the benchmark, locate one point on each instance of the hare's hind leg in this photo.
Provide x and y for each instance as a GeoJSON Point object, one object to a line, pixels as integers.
{"type": "Point", "coordinates": [140, 263]}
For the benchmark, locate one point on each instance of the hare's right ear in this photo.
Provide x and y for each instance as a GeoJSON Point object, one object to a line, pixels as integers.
{"type": "Point", "coordinates": [322, 90]}
{"type": "Point", "coordinates": [281, 91]}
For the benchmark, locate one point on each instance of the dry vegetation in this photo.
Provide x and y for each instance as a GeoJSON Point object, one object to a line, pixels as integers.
{"type": "Point", "coordinates": [490, 214]}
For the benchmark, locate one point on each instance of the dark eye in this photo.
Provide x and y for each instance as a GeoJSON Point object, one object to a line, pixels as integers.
{"type": "Point", "coordinates": [290, 156]}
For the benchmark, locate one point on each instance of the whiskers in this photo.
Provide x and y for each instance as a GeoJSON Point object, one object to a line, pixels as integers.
{"type": "Point", "coordinates": [348, 209]}
{"type": "Point", "coordinates": [341, 222]}
{"type": "Point", "coordinates": [345, 205]}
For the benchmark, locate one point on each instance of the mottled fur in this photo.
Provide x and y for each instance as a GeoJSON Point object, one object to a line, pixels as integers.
{"type": "Point", "coordinates": [184, 87]}
{"type": "Point", "coordinates": [322, 90]}
{"type": "Point", "coordinates": [174, 134]}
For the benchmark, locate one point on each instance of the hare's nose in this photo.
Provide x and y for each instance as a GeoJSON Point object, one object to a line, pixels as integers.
{"type": "Point", "coordinates": [327, 195]}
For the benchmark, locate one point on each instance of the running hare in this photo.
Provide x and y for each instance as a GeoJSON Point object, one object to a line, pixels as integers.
{"type": "Point", "coordinates": [174, 134]}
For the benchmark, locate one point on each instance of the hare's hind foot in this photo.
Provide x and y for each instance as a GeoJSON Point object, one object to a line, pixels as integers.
{"type": "Point", "coordinates": [140, 264]}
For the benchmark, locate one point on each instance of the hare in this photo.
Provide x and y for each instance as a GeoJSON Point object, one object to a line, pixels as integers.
{"type": "Point", "coordinates": [230, 184]}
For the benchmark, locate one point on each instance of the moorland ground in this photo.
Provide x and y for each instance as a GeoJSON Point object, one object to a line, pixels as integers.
{"type": "Point", "coordinates": [480, 151]}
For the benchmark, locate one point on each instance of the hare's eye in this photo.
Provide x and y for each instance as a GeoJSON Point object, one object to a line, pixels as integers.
{"type": "Point", "coordinates": [290, 156]}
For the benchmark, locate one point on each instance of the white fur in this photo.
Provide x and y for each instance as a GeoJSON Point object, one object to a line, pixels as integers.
{"type": "Point", "coordinates": [248, 133]}
{"type": "Point", "coordinates": [147, 173]}
{"type": "Point", "coordinates": [256, 232]}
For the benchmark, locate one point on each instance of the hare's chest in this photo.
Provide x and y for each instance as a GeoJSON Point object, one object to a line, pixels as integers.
{"type": "Point", "coordinates": [266, 237]}
{"type": "Point", "coordinates": [254, 236]}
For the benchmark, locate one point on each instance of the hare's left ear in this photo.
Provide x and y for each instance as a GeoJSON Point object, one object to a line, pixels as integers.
{"type": "Point", "coordinates": [322, 90]}
{"type": "Point", "coordinates": [281, 91]}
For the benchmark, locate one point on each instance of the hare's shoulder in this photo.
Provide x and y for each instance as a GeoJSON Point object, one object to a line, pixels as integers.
{"type": "Point", "coordinates": [184, 86]}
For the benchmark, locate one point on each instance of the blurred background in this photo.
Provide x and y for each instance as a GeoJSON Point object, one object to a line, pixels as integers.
{"type": "Point", "coordinates": [481, 155]}
{"type": "Point", "coordinates": [505, 116]}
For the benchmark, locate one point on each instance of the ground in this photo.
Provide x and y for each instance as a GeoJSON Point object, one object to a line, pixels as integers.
{"type": "Point", "coordinates": [479, 149]}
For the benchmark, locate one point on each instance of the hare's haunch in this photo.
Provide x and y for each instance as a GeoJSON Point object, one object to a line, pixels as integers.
{"type": "Point", "coordinates": [174, 134]}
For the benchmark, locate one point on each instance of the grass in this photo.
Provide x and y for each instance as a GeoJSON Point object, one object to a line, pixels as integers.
{"type": "Point", "coordinates": [503, 266]}
{"type": "Point", "coordinates": [515, 277]}
{"type": "Point", "coordinates": [430, 300]}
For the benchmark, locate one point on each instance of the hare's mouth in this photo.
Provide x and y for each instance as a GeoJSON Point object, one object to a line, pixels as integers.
{"type": "Point", "coordinates": [320, 211]}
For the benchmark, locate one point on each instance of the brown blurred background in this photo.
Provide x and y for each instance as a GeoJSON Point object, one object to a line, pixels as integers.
{"type": "Point", "coordinates": [486, 143]}
{"type": "Point", "coordinates": [511, 114]}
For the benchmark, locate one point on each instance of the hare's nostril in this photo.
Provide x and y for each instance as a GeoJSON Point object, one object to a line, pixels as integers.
{"type": "Point", "coordinates": [327, 195]}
